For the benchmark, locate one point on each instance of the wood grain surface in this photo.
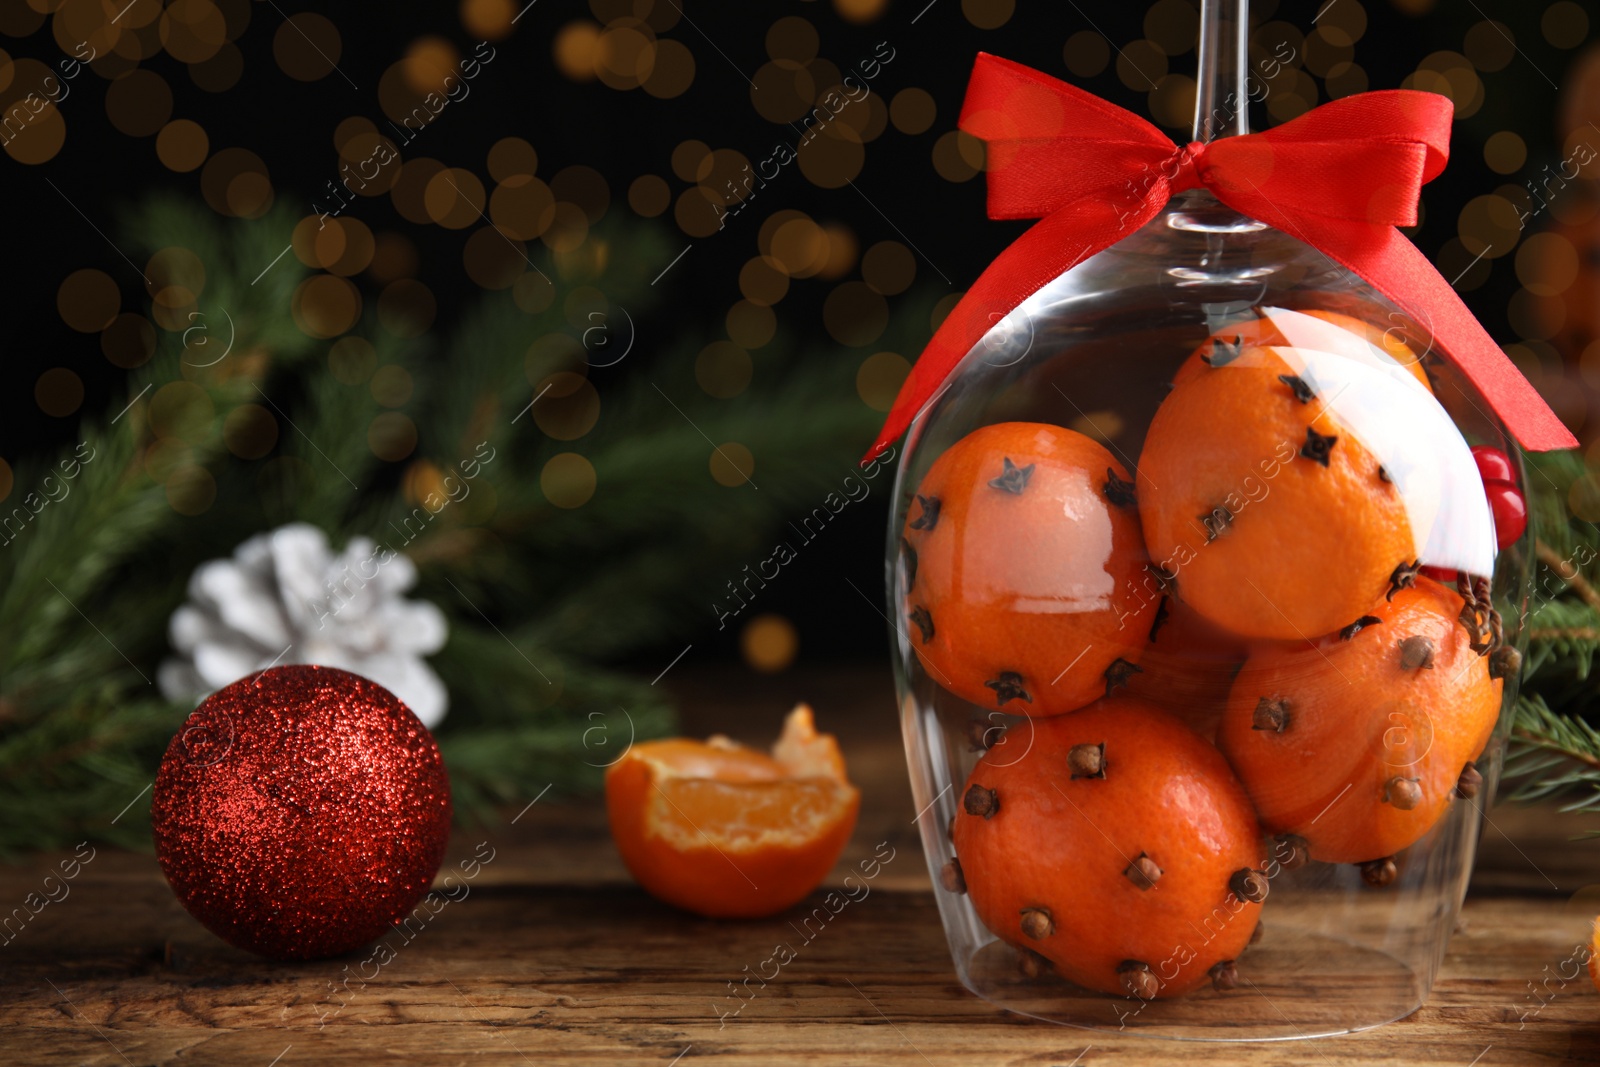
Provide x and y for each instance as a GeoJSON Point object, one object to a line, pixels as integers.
{"type": "Point", "coordinates": [555, 957]}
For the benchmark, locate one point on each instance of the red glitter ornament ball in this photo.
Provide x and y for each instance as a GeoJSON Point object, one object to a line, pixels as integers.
{"type": "Point", "coordinates": [301, 812]}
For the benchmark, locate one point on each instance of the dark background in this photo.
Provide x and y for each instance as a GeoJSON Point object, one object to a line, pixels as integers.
{"type": "Point", "coordinates": [625, 134]}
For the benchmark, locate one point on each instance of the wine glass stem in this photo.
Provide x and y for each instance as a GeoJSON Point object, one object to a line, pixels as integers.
{"type": "Point", "coordinates": [1221, 102]}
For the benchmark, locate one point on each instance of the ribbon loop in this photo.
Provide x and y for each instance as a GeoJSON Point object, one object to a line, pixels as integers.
{"type": "Point", "coordinates": [1340, 178]}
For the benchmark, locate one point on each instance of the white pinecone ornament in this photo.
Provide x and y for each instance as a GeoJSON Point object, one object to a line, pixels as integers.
{"type": "Point", "coordinates": [286, 597]}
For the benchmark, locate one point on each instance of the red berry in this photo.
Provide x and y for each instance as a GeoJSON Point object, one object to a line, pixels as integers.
{"type": "Point", "coordinates": [1493, 464]}
{"type": "Point", "coordinates": [1510, 511]}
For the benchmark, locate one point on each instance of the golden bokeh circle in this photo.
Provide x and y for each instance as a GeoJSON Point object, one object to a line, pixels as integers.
{"type": "Point", "coordinates": [751, 326]}
{"type": "Point", "coordinates": [352, 360]}
{"type": "Point", "coordinates": [88, 300]}
{"type": "Point", "coordinates": [492, 259]}
{"type": "Point", "coordinates": [958, 156]}
{"type": "Point", "coordinates": [406, 308]}
{"type": "Point", "coordinates": [889, 267]}
{"type": "Point", "coordinates": [522, 206]}
{"type": "Point", "coordinates": [792, 38]}
{"type": "Point", "coordinates": [345, 246]}
{"type": "Point", "coordinates": [1343, 24]}
{"type": "Point", "coordinates": [488, 20]}
{"type": "Point", "coordinates": [58, 392]}
{"type": "Point", "coordinates": [879, 378]}
{"type": "Point", "coordinates": [1547, 264]}
{"type": "Point", "coordinates": [1505, 152]}
{"type": "Point", "coordinates": [139, 102]}
{"type": "Point", "coordinates": [454, 198]}
{"type": "Point", "coordinates": [860, 10]}
{"type": "Point", "coordinates": [220, 174]}
{"type": "Point", "coordinates": [392, 436]}
{"type": "Point", "coordinates": [568, 480]}
{"type": "Point", "coordinates": [1468, 269]}
{"type": "Point", "coordinates": [799, 246]}
{"type": "Point", "coordinates": [1490, 45]}
{"type": "Point", "coordinates": [1345, 79]}
{"type": "Point", "coordinates": [723, 370]}
{"type": "Point", "coordinates": [1086, 53]}
{"type": "Point", "coordinates": [175, 266]}
{"type": "Point", "coordinates": [129, 341]}
{"type": "Point", "coordinates": [511, 156]}
{"type": "Point", "coordinates": [574, 48]}
{"type": "Point", "coordinates": [941, 310]}
{"type": "Point", "coordinates": [855, 315]}
{"type": "Point", "coordinates": [42, 137]}
{"type": "Point", "coordinates": [221, 71]}
{"type": "Point", "coordinates": [763, 281]}
{"type": "Point", "coordinates": [687, 159]}
{"type": "Point", "coordinates": [698, 211]}
{"type": "Point", "coordinates": [1141, 65]}
{"type": "Point", "coordinates": [191, 490]}
{"type": "Point", "coordinates": [250, 431]}
{"type": "Point", "coordinates": [1172, 101]}
{"type": "Point", "coordinates": [1174, 26]}
{"type": "Point", "coordinates": [649, 195]}
{"type": "Point", "coordinates": [249, 195]}
{"type": "Point", "coordinates": [1564, 24]}
{"type": "Point", "coordinates": [769, 643]}
{"type": "Point", "coordinates": [307, 46]}
{"type": "Point", "coordinates": [568, 406]}
{"type": "Point", "coordinates": [732, 464]}
{"type": "Point", "coordinates": [166, 456]}
{"type": "Point", "coordinates": [391, 385]}
{"type": "Point", "coordinates": [181, 145]}
{"type": "Point", "coordinates": [182, 410]}
{"type": "Point", "coordinates": [625, 54]}
{"type": "Point", "coordinates": [673, 71]}
{"type": "Point", "coordinates": [988, 14]}
{"type": "Point", "coordinates": [1489, 224]}
{"type": "Point", "coordinates": [833, 158]}
{"type": "Point", "coordinates": [782, 91]}
{"type": "Point", "coordinates": [193, 30]}
{"type": "Point", "coordinates": [430, 63]}
{"type": "Point", "coordinates": [842, 251]}
{"type": "Point", "coordinates": [913, 110]}
{"type": "Point", "coordinates": [325, 305]}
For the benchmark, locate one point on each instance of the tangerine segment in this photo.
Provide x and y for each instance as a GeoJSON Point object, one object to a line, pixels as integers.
{"type": "Point", "coordinates": [1276, 521]}
{"type": "Point", "coordinates": [1287, 330]}
{"type": "Point", "coordinates": [1117, 864]}
{"type": "Point", "coordinates": [1357, 744]}
{"type": "Point", "coordinates": [726, 831]}
{"type": "Point", "coordinates": [1018, 556]}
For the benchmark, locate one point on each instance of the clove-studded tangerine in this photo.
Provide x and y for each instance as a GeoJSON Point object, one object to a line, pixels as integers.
{"type": "Point", "coordinates": [1028, 558]}
{"type": "Point", "coordinates": [1139, 877]}
{"type": "Point", "coordinates": [1396, 343]}
{"type": "Point", "coordinates": [1357, 745]}
{"type": "Point", "coordinates": [1270, 512]}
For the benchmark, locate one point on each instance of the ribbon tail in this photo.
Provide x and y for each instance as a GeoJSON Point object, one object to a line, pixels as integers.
{"type": "Point", "coordinates": [1050, 247]}
{"type": "Point", "coordinates": [1395, 267]}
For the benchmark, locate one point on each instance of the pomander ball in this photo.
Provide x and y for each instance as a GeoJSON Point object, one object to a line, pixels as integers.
{"type": "Point", "coordinates": [301, 812]}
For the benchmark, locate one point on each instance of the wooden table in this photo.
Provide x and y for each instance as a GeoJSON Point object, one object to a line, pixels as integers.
{"type": "Point", "coordinates": [555, 957]}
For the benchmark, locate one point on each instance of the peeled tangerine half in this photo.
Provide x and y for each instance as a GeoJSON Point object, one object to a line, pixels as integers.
{"type": "Point", "coordinates": [1121, 848]}
{"type": "Point", "coordinates": [1357, 743]}
{"type": "Point", "coordinates": [727, 831]}
{"type": "Point", "coordinates": [1019, 554]}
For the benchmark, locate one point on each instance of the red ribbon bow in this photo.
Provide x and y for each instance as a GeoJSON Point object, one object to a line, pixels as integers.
{"type": "Point", "coordinates": [1340, 178]}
